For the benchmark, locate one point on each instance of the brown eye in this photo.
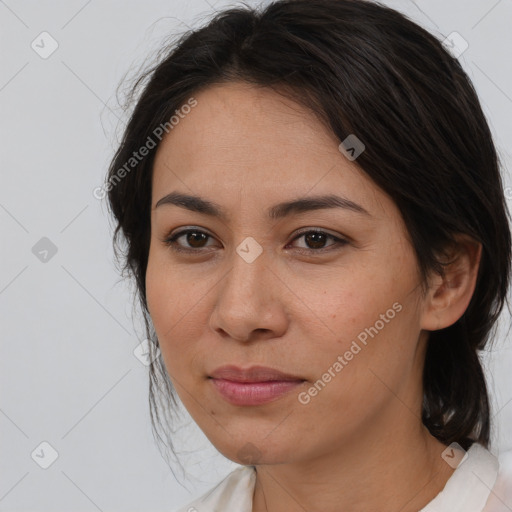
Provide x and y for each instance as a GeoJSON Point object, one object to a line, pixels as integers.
{"type": "Point", "coordinates": [315, 241]}
{"type": "Point", "coordinates": [195, 239]}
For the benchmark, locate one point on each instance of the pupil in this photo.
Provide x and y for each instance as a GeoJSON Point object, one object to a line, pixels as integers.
{"type": "Point", "coordinates": [314, 236]}
{"type": "Point", "coordinates": [192, 235]}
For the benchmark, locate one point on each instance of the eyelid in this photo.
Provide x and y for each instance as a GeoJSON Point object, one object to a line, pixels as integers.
{"type": "Point", "coordinates": [339, 240]}
{"type": "Point", "coordinates": [170, 239]}
{"type": "Point", "coordinates": [183, 231]}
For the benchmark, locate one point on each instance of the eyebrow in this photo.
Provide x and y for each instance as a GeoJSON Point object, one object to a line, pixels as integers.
{"type": "Point", "coordinates": [278, 211]}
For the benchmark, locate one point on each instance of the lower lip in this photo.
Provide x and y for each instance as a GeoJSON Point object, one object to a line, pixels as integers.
{"type": "Point", "coordinates": [253, 393]}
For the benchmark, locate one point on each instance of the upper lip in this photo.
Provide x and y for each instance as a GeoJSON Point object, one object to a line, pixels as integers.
{"type": "Point", "coordinates": [252, 374]}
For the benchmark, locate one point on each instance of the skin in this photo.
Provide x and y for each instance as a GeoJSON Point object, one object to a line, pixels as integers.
{"type": "Point", "coordinates": [359, 444]}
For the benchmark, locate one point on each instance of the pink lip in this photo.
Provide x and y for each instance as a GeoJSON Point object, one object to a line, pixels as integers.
{"type": "Point", "coordinates": [252, 374]}
{"type": "Point", "coordinates": [253, 386]}
{"type": "Point", "coordinates": [253, 393]}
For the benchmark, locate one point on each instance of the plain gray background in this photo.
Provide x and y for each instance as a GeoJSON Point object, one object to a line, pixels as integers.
{"type": "Point", "coordinates": [69, 376]}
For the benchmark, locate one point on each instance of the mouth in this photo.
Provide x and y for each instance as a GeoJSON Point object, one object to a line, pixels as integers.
{"type": "Point", "coordinates": [253, 386]}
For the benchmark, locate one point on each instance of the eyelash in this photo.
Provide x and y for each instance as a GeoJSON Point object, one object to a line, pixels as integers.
{"type": "Point", "coordinates": [171, 241]}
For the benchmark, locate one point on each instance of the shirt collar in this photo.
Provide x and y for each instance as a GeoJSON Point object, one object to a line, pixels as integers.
{"type": "Point", "coordinates": [467, 490]}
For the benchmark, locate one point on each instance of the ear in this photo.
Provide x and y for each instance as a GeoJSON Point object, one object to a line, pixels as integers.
{"type": "Point", "coordinates": [448, 297]}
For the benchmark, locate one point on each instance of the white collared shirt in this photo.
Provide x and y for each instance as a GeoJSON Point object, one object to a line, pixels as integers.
{"type": "Point", "coordinates": [480, 483]}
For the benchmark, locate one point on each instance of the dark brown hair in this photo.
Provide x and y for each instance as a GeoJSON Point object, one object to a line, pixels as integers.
{"type": "Point", "coordinates": [363, 69]}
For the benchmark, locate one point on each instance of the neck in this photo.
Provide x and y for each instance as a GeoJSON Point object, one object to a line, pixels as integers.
{"type": "Point", "coordinates": [399, 471]}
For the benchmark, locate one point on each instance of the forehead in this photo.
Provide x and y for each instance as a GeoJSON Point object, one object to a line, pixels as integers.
{"type": "Point", "coordinates": [243, 140]}
{"type": "Point", "coordinates": [238, 122]}
{"type": "Point", "coordinates": [253, 106]}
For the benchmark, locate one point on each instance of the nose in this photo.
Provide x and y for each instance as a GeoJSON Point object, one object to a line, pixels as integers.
{"type": "Point", "coordinates": [250, 301]}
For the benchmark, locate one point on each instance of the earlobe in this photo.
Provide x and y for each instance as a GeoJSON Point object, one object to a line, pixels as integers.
{"type": "Point", "coordinates": [449, 296]}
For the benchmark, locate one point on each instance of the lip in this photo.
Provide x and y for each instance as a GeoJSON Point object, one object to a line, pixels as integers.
{"type": "Point", "coordinates": [253, 386]}
{"type": "Point", "coordinates": [252, 374]}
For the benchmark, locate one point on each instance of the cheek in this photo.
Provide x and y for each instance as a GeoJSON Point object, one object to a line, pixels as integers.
{"type": "Point", "coordinates": [349, 303]}
{"type": "Point", "coordinates": [165, 293]}
{"type": "Point", "coordinates": [174, 303]}
{"type": "Point", "coordinates": [163, 307]}
{"type": "Point", "coordinates": [371, 328]}
{"type": "Point", "coordinates": [354, 381]}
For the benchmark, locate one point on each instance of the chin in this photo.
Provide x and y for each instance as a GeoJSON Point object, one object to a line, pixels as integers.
{"type": "Point", "coordinates": [253, 451]}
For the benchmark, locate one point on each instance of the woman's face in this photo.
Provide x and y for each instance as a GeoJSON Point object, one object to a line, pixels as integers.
{"type": "Point", "coordinates": [343, 317]}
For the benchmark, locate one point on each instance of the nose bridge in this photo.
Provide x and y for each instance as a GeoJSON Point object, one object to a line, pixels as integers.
{"type": "Point", "coordinates": [246, 300]}
{"type": "Point", "coordinates": [248, 267]}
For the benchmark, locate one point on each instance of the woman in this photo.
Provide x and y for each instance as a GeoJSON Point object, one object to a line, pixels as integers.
{"type": "Point", "coordinates": [315, 220]}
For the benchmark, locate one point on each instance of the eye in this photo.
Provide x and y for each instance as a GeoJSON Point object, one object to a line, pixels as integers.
{"type": "Point", "coordinates": [195, 238]}
{"type": "Point", "coordinates": [316, 239]}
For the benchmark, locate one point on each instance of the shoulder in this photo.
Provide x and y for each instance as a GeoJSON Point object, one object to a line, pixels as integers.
{"type": "Point", "coordinates": [470, 487]}
{"type": "Point", "coordinates": [500, 498]}
{"type": "Point", "coordinates": [232, 494]}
